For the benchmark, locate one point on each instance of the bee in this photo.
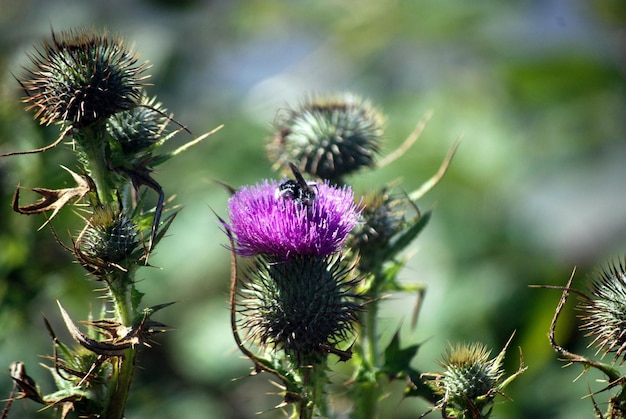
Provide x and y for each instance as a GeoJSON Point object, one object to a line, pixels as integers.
{"type": "Point", "coordinates": [298, 189]}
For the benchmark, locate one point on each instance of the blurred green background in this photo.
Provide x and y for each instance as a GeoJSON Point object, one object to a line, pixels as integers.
{"type": "Point", "coordinates": [536, 89]}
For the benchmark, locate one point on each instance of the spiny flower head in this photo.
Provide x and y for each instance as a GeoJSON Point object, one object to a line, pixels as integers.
{"type": "Point", "coordinates": [80, 77]}
{"type": "Point", "coordinates": [265, 221]}
{"type": "Point", "coordinates": [469, 371]}
{"type": "Point", "coordinates": [140, 128]}
{"type": "Point", "coordinates": [328, 137]}
{"type": "Point", "coordinates": [471, 380]}
{"type": "Point", "coordinates": [109, 241]}
{"type": "Point", "coordinates": [605, 309]}
{"type": "Point", "coordinates": [304, 306]}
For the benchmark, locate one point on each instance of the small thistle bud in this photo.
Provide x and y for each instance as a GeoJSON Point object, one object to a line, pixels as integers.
{"type": "Point", "coordinates": [109, 238]}
{"type": "Point", "coordinates": [605, 308]}
{"type": "Point", "coordinates": [266, 221]}
{"type": "Point", "coordinates": [471, 380]}
{"type": "Point", "coordinates": [328, 137]}
{"type": "Point", "coordinates": [304, 306]}
{"type": "Point", "coordinates": [81, 77]}
{"type": "Point", "coordinates": [139, 128]}
{"type": "Point", "coordinates": [470, 373]}
{"type": "Point", "coordinates": [383, 217]}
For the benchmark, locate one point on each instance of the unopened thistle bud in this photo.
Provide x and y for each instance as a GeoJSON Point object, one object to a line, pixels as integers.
{"type": "Point", "coordinates": [81, 77]}
{"type": "Point", "coordinates": [140, 128]}
{"type": "Point", "coordinates": [470, 373]}
{"type": "Point", "coordinates": [383, 217]}
{"type": "Point", "coordinates": [110, 239]}
{"type": "Point", "coordinates": [471, 380]}
{"type": "Point", "coordinates": [328, 137]}
{"type": "Point", "coordinates": [605, 310]}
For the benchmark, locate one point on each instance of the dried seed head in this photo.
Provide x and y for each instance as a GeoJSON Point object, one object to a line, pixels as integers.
{"type": "Point", "coordinates": [605, 310]}
{"type": "Point", "coordinates": [80, 77]}
{"type": "Point", "coordinates": [304, 306]}
{"type": "Point", "coordinates": [328, 137]}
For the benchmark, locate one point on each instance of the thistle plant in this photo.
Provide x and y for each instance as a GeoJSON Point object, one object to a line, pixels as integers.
{"type": "Point", "coordinates": [603, 308]}
{"type": "Point", "coordinates": [311, 260]}
{"type": "Point", "coordinates": [91, 86]}
{"type": "Point", "coordinates": [319, 265]}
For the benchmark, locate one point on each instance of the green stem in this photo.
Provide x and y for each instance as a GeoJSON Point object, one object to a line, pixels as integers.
{"type": "Point", "coordinates": [120, 383]}
{"type": "Point", "coordinates": [367, 390]}
{"type": "Point", "coordinates": [94, 146]}
{"type": "Point", "coordinates": [124, 369]}
{"type": "Point", "coordinates": [313, 395]}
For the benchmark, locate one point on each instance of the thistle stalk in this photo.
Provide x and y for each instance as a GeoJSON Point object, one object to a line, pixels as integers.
{"type": "Point", "coordinates": [91, 86]}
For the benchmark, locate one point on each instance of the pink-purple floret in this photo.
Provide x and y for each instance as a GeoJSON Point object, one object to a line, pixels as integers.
{"type": "Point", "coordinates": [263, 222]}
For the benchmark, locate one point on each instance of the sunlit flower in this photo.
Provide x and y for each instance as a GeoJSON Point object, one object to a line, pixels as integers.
{"type": "Point", "coordinates": [266, 222]}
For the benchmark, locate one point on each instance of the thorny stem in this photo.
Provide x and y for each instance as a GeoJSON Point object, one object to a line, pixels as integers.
{"type": "Point", "coordinates": [120, 385]}
{"type": "Point", "coordinates": [371, 393]}
{"type": "Point", "coordinates": [94, 146]}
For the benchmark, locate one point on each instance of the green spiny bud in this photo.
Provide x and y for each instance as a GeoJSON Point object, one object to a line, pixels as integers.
{"type": "Point", "coordinates": [109, 239]}
{"type": "Point", "coordinates": [139, 128]}
{"type": "Point", "coordinates": [304, 306]}
{"type": "Point", "coordinates": [470, 373]}
{"type": "Point", "coordinates": [471, 381]}
{"type": "Point", "coordinates": [81, 77]}
{"type": "Point", "coordinates": [328, 137]}
{"type": "Point", "coordinates": [383, 217]}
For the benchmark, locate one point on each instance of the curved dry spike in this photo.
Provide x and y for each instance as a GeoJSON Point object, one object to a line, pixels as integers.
{"type": "Point", "coordinates": [28, 387]}
{"type": "Point", "coordinates": [410, 140]}
{"type": "Point", "coordinates": [434, 180]}
{"type": "Point", "coordinates": [225, 185]}
{"type": "Point", "coordinates": [100, 348]}
{"type": "Point", "coordinates": [52, 199]}
{"type": "Point", "coordinates": [571, 357]}
{"type": "Point", "coordinates": [42, 149]}
{"type": "Point", "coordinates": [259, 366]}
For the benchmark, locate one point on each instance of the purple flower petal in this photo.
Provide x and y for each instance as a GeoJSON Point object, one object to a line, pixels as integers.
{"type": "Point", "coordinates": [263, 222]}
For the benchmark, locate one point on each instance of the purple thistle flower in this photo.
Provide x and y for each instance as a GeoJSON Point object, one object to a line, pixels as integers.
{"type": "Point", "coordinates": [263, 221]}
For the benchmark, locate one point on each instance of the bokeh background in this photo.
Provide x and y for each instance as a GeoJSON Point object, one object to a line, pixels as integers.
{"type": "Point", "coordinates": [536, 88]}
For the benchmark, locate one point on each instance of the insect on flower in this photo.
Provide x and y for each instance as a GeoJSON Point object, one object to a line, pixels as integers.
{"type": "Point", "coordinates": [299, 189]}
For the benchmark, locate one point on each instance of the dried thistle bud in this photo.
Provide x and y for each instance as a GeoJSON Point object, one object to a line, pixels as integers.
{"type": "Point", "coordinates": [304, 306]}
{"type": "Point", "coordinates": [605, 308]}
{"type": "Point", "coordinates": [139, 128]}
{"type": "Point", "coordinates": [109, 239]}
{"type": "Point", "coordinates": [328, 137]}
{"type": "Point", "coordinates": [80, 77]}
